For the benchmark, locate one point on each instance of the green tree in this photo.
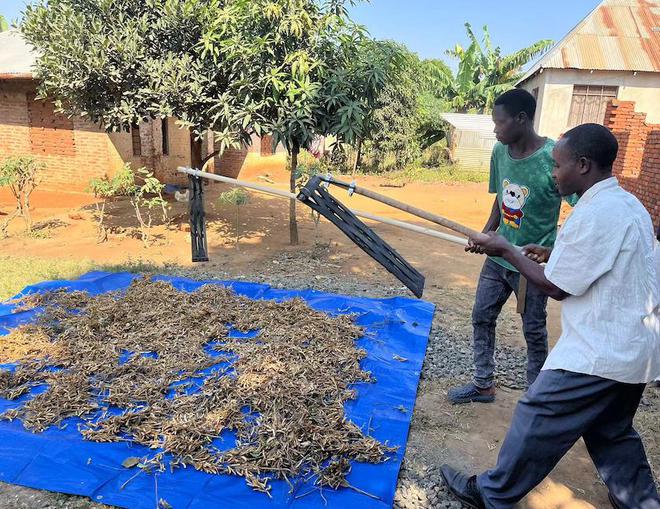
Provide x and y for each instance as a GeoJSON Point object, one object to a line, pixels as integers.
{"type": "Point", "coordinates": [483, 72]}
{"type": "Point", "coordinates": [4, 26]}
{"type": "Point", "coordinates": [394, 124]}
{"type": "Point", "coordinates": [406, 115]}
{"type": "Point", "coordinates": [120, 63]}
{"type": "Point", "coordinates": [327, 86]}
{"type": "Point", "coordinates": [21, 175]}
{"type": "Point", "coordinates": [233, 67]}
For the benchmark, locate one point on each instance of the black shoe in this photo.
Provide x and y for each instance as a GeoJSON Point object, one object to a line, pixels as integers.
{"type": "Point", "coordinates": [464, 488]}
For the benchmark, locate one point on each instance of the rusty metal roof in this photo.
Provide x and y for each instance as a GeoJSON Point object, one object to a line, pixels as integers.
{"type": "Point", "coordinates": [618, 35]}
{"type": "Point", "coordinates": [16, 56]}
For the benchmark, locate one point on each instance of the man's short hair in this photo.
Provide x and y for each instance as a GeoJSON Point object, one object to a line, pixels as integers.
{"type": "Point", "coordinates": [517, 101]}
{"type": "Point", "coordinates": [595, 142]}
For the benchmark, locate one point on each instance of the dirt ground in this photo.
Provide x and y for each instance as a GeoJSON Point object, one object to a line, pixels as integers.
{"type": "Point", "coordinates": [468, 436]}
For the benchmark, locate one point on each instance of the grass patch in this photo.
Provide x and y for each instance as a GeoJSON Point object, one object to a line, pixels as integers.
{"type": "Point", "coordinates": [442, 174]}
{"type": "Point", "coordinates": [17, 272]}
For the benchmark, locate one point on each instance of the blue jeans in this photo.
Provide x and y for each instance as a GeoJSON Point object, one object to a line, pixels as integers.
{"type": "Point", "coordinates": [496, 284]}
{"type": "Point", "coordinates": [558, 409]}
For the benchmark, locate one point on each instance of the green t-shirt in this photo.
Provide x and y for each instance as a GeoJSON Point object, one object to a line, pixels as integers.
{"type": "Point", "coordinates": [528, 198]}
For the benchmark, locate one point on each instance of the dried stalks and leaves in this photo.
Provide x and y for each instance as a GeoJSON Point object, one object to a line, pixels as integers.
{"type": "Point", "coordinates": [166, 359]}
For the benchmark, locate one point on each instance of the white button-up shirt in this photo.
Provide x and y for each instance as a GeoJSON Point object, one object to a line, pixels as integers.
{"type": "Point", "coordinates": [604, 260]}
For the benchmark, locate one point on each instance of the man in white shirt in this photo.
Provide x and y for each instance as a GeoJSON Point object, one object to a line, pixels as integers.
{"type": "Point", "coordinates": [602, 268]}
{"type": "Point", "coordinates": [657, 273]}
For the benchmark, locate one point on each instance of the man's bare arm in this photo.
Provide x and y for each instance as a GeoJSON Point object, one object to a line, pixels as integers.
{"type": "Point", "coordinates": [493, 222]}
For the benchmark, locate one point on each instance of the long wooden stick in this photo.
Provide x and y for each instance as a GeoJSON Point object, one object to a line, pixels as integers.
{"type": "Point", "coordinates": [415, 211]}
{"type": "Point", "coordinates": [285, 194]}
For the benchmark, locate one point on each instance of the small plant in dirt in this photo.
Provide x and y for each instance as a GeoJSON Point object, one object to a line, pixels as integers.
{"type": "Point", "coordinates": [146, 195]}
{"type": "Point", "coordinates": [144, 191]}
{"type": "Point", "coordinates": [308, 167]}
{"type": "Point", "coordinates": [21, 175]}
{"type": "Point", "coordinates": [105, 189]}
{"type": "Point", "coordinates": [236, 197]}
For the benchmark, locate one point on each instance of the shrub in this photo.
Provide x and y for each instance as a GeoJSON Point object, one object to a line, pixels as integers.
{"type": "Point", "coordinates": [236, 197]}
{"type": "Point", "coordinates": [21, 175]}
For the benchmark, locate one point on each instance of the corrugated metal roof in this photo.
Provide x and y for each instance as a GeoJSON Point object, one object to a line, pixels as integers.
{"type": "Point", "coordinates": [618, 35]}
{"type": "Point", "coordinates": [471, 122]}
{"type": "Point", "coordinates": [16, 56]}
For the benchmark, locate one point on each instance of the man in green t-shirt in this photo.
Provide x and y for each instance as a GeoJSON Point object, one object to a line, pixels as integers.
{"type": "Point", "coordinates": [525, 211]}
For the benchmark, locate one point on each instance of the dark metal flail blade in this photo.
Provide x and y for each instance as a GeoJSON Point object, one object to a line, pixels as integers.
{"type": "Point", "coordinates": [197, 220]}
{"type": "Point", "coordinates": [319, 199]}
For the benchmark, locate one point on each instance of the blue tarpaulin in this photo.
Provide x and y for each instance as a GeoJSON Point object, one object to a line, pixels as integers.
{"type": "Point", "coordinates": [60, 460]}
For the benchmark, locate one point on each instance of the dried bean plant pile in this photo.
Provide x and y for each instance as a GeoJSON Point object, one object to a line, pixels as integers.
{"type": "Point", "coordinates": [294, 378]}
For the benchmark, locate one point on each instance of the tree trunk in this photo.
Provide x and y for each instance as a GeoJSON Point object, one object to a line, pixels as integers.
{"type": "Point", "coordinates": [293, 224]}
{"type": "Point", "coordinates": [196, 157]}
{"type": "Point", "coordinates": [26, 212]}
{"type": "Point", "coordinates": [238, 218]}
{"type": "Point", "coordinates": [358, 157]}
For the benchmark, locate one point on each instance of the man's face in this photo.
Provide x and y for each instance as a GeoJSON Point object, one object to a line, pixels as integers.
{"type": "Point", "coordinates": [566, 172]}
{"type": "Point", "coordinates": [508, 129]}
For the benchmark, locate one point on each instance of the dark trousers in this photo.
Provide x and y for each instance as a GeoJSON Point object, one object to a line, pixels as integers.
{"type": "Point", "coordinates": [496, 284]}
{"type": "Point", "coordinates": [558, 409]}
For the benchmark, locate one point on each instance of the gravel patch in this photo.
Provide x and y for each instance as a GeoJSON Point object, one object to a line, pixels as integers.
{"type": "Point", "coordinates": [423, 488]}
{"type": "Point", "coordinates": [450, 356]}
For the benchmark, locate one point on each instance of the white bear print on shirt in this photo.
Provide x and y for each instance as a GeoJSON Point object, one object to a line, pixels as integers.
{"type": "Point", "coordinates": [514, 197]}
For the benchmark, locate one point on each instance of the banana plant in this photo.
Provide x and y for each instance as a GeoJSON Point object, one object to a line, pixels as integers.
{"type": "Point", "coordinates": [484, 72]}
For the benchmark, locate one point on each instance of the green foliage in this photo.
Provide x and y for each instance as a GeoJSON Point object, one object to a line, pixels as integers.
{"type": "Point", "coordinates": [21, 270]}
{"type": "Point", "coordinates": [233, 67]}
{"type": "Point", "coordinates": [483, 72]}
{"type": "Point", "coordinates": [236, 197]}
{"type": "Point", "coordinates": [121, 184]}
{"type": "Point", "coordinates": [144, 191]}
{"type": "Point", "coordinates": [395, 120]}
{"type": "Point", "coordinates": [431, 126]}
{"type": "Point", "coordinates": [4, 25]}
{"type": "Point", "coordinates": [21, 175]}
{"type": "Point", "coordinates": [19, 171]}
{"type": "Point", "coordinates": [146, 194]}
{"type": "Point", "coordinates": [293, 68]}
{"type": "Point", "coordinates": [308, 166]}
{"type": "Point", "coordinates": [443, 174]}
{"type": "Point", "coordinates": [436, 156]}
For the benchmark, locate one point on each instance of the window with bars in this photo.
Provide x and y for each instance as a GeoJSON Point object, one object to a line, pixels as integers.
{"type": "Point", "coordinates": [137, 142]}
{"type": "Point", "coordinates": [589, 104]}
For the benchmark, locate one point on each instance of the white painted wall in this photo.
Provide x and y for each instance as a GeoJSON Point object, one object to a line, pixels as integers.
{"type": "Point", "coordinates": [556, 92]}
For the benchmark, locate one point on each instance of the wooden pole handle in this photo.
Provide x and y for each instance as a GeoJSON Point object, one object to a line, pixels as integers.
{"type": "Point", "coordinates": [415, 211]}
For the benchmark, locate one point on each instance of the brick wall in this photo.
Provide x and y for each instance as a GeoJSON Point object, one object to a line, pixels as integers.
{"type": "Point", "coordinates": [638, 165]}
{"type": "Point", "coordinates": [231, 162]}
{"type": "Point", "coordinates": [50, 134]}
{"type": "Point", "coordinates": [75, 150]}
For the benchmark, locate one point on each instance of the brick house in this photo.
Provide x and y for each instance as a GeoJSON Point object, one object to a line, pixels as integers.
{"type": "Point", "coordinates": [76, 150]}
